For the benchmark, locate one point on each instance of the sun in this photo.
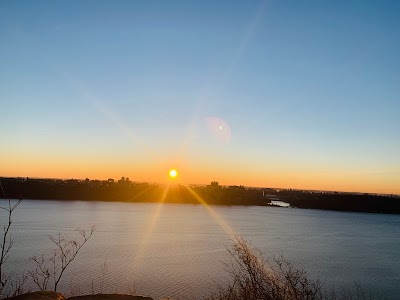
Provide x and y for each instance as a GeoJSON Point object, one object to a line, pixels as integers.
{"type": "Point", "coordinates": [173, 173]}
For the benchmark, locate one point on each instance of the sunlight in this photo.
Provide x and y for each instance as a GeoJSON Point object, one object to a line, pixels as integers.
{"type": "Point", "coordinates": [150, 226]}
{"type": "Point", "coordinates": [217, 218]}
{"type": "Point", "coordinates": [173, 173]}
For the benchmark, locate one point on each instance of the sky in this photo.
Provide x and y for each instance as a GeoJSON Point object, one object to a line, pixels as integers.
{"type": "Point", "coordinates": [288, 94]}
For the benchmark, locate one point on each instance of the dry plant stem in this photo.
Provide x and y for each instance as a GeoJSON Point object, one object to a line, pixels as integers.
{"type": "Point", "coordinates": [17, 286]}
{"type": "Point", "coordinates": [7, 243]}
{"type": "Point", "coordinates": [104, 268]}
{"type": "Point", "coordinates": [54, 266]}
{"type": "Point", "coordinates": [100, 289]}
{"type": "Point", "coordinates": [63, 256]}
{"type": "Point", "coordinates": [41, 274]}
{"type": "Point", "coordinates": [252, 278]}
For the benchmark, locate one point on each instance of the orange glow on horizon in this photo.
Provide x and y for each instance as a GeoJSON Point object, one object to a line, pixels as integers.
{"type": "Point", "coordinates": [201, 171]}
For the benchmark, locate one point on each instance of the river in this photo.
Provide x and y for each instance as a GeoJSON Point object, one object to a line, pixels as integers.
{"type": "Point", "coordinates": [179, 250]}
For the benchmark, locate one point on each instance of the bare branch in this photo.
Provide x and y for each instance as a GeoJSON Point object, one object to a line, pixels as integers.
{"type": "Point", "coordinates": [41, 274]}
{"type": "Point", "coordinates": [7, 243]}
{"type": "Point", "coordinates": [252, 277]}
{"type": "Point", "coordinates": [53, 266]}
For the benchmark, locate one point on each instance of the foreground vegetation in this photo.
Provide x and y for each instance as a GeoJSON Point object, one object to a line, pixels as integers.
{"type": "Point", "coordinates": [253, 278]}
{"type": "Point", "coordinates": [48, 268]}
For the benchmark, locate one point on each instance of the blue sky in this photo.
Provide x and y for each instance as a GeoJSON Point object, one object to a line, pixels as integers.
{"type": "Point", "coordinates": [310, 91]}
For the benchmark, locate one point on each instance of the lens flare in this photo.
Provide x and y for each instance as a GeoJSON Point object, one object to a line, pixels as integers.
{"type": "Point", "coordinates": [219, 129]}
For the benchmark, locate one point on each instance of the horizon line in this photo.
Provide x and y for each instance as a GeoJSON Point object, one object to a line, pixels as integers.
{"type": "Point", "coordinates": [206, 184]}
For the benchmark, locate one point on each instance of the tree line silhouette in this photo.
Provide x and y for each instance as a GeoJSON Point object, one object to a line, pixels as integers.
{"type": "Point", "coordinates": [215, 194]}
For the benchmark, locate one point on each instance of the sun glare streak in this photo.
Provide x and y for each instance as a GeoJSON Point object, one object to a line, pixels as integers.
{"type": "Point", "coordinates": [150, 227]}
{"type": "Point", "coordinates": [190, 135]}
{"type": "Point", "coordinates": [217, 218]}
{"type": "Point", "coordinates": [113, 118]}
{"type": "Point", "coordinates": [141, 193]}
{"type": "Point", "coordinates": [244, 42]}
{"type": "Point", "coordinates": [109, 115]}
{"type": "Point", "coordinates": [84, 91]}
{"type": "Point", "coordinates": [223, 133]}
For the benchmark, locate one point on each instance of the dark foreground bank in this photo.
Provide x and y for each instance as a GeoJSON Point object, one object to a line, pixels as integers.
{"type": "Point", "coordinates": [49, 295]}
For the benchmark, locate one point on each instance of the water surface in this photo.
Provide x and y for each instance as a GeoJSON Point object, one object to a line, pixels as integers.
{"type": "Point", "coordinates": [178, 250]}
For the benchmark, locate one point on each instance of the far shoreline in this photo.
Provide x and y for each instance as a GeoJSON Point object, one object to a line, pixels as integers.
{"type": "Point", "coordinates": [126, 191]}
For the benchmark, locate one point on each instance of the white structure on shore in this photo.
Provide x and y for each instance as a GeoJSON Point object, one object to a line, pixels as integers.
{"type": "Point", "coordinates": [279, 203]}
{"type": "Point", "coordinates": [274, 200]}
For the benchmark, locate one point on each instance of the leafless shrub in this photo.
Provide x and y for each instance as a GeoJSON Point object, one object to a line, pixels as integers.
{"type": "Point", "coordinates": [252, 277]}
{"type": "Point", "coordinates": [41, 275]}
{"type": "Point", "coordinates": [7, 285]}
{"type": "Point", "coordinates": [103, 268]}
{"type": "Point", "coordinates": [17, 285]}
{"type": "Point", "coordinates": [50, 268]}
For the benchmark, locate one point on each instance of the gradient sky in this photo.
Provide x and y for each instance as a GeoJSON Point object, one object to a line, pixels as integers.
{"type": "Point", "coordinates": [299, 94]}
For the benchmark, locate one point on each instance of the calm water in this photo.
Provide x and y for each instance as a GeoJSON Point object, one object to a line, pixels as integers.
{"type": "Point", "coordinates": [178, 250]}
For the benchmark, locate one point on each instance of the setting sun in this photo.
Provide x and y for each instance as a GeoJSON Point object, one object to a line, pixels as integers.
{"type": "Point", "coordinates": [173, 173]}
